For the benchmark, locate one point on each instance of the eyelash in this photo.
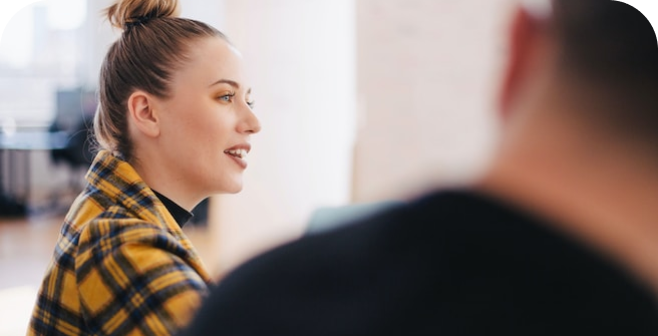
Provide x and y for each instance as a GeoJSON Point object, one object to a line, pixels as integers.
{"type": "Point", "coordinates": [230, 96]}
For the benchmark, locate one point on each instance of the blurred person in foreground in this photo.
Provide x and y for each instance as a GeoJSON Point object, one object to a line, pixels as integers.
{"type": "Point", "coordinates": [559, 237]}
{"type": "Point", "coordinates": [174, 124]}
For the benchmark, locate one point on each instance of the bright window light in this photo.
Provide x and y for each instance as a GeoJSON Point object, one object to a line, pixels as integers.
{"type": "Point", "coordinates": [16, 44]}
{"type": "Point", "coordinates": [66, 14]}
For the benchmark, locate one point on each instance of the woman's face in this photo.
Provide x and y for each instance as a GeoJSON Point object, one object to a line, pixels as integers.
{"type": "Point", "coordinates": [207, 121]}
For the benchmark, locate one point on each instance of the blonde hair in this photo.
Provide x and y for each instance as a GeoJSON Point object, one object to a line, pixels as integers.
{"type": "Point", "coordinates": [152, 46]}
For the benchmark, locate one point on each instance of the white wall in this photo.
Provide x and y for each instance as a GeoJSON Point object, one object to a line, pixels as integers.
{"type": "Point", "coordinates": [427, 71]}
{"type": "Point", "coordinates": [302, 57]}
{"type": "Point", "coordinates": [420, 81]}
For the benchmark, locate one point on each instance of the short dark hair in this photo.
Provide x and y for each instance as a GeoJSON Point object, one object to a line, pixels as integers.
{"type": "Point", "coordinates": [611, 46]}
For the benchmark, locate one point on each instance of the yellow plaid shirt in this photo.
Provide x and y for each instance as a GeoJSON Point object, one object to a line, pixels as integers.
{"type": "Point", "coordinates": [122, 265]}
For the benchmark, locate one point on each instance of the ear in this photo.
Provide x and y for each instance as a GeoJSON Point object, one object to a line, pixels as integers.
{"type": "Point", "coordinates": [142, 115]}
{"type": "Point", "coordinates": [522, 39]}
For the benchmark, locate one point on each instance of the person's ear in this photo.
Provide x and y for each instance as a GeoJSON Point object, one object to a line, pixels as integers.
{"type": "Point", "coordinates": [142, 115]}
{"type": "Point", "coordinates": [522, 46]}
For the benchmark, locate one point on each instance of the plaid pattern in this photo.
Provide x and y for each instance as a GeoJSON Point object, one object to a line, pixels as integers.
{"type": "Point", "coordinates": [121, 265]}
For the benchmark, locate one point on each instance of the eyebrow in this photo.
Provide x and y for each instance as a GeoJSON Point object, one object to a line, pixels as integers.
{"type": "Point", "coordinates": [229, 82]}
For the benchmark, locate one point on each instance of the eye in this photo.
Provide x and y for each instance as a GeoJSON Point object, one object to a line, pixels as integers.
{"type": "Point", "coordinates": [251, 103]}
{"type": "Point", "coordinates": [227, 97]}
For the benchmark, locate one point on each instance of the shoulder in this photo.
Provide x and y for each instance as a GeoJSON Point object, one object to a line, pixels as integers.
{"type": "Point", "coordinates": [364, 238]}
{"type": "Point", "coordinates": [444, 260]}
{"type": "Point", "coordinates": [401, 241]}
{"type": "Point", "coordinates": [465, 234]}
{"type": "Point", "coordinates": [112, 233]}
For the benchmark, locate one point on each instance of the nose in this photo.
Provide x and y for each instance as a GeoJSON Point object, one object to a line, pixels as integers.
{"type": "Point", "coordinates": [249, 123]}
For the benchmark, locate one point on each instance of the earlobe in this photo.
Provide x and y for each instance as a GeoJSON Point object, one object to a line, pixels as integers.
{"type": "Point", "coordinates": [142, 114]}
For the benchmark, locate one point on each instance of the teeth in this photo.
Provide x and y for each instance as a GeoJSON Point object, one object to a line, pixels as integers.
{"type": "Point", "coordinates": [241, 153]}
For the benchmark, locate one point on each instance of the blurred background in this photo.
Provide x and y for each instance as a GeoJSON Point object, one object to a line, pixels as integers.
{"type": "Point", "coordinates": [363, 103]}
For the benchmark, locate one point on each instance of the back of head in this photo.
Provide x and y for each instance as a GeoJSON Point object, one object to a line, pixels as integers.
{"type": "Point", "coordinates": [609, 49]}
{"type": "Point", "coordinates": [153, 45]}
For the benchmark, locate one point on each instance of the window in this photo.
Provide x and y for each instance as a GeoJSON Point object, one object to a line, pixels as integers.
{"type": "Point", "coordinates": [43, 49]}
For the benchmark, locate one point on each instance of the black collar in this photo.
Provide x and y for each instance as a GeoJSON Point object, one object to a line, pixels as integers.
{"type": "Point", "coordinates": [181, 216]}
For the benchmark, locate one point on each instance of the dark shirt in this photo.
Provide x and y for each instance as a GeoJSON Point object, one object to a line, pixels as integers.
{"type": "Point", "coordinates": [451, 263]}
{"type": "Point", "coordinates": [181, 216]}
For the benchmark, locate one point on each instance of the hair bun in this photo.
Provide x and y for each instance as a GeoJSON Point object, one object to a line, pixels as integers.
{"type": "Point", "coordinates": [124, 13]}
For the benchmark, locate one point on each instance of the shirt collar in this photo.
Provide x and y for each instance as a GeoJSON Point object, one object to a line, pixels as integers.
{"type": "Point", "coordinates": [180, 215]}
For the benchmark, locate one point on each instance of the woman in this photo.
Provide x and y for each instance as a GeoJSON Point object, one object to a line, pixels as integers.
{"type": "Point", "coordinates": [174, 124]}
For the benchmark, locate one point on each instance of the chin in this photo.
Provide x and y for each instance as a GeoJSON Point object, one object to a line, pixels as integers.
{"type": "Point", "coordinates": [232, 189]}
{"type": "Point", "coordinates": [226, 185]}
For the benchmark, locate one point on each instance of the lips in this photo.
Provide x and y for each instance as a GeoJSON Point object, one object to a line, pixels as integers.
{"type": "Point", "coordinates": [239, 154]}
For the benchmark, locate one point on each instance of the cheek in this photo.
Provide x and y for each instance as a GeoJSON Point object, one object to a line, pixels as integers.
{"type": "Point", "coordinates": [211, 132]}
{"type": "Point", "coordinates": [201, 125]}
{"type": "Point", "coordinates": [200, 119]}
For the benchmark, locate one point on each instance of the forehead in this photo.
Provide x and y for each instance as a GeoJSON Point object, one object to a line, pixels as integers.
{"type": "Point", "coordinates": [211, 59]}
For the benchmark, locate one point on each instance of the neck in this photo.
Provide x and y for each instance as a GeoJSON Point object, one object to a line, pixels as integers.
{"type": "Point", "coordinates": [155, 173]}
{"type": "Point", "coordinates": [601, 191]}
